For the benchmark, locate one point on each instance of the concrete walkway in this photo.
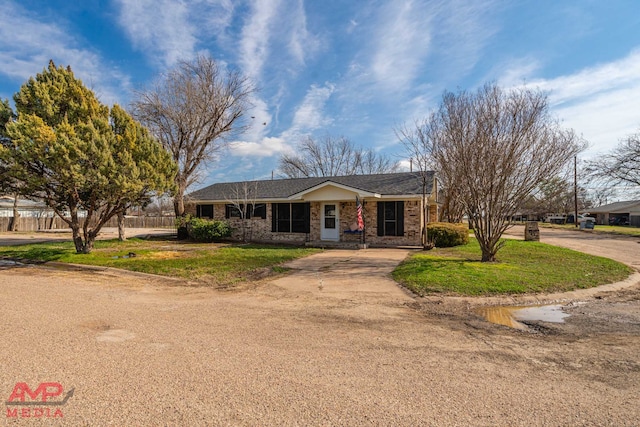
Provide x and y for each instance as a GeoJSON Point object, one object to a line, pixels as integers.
{"type": "Point", "coordinates": [348, 274]}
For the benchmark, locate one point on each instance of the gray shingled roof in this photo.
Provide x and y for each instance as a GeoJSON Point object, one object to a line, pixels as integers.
{"type": "Point", "coordinates": [618, 207]}
{"type": "Point", "coordinates": [390, 184]}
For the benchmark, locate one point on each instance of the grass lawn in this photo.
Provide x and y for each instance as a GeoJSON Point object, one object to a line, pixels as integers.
{"type": "Point", "coordinates": [210, 263]}
{"type": "Point", "coordinates": [522, 267]}
{"type": "Point", "coordinates": [610, 229]}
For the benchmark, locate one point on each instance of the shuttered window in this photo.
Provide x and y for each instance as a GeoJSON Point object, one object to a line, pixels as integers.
{"type": "Point", "coordinates": [391, 218]}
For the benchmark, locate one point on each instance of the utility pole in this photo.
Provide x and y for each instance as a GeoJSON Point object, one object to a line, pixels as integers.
{"type": "Point", "coordinates": [575, 189]}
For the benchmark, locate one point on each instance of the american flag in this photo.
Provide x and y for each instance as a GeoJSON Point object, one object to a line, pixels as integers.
{"type": "Point", "coordinates": [359, 210]}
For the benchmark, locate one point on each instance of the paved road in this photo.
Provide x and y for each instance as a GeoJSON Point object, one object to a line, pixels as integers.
{"type": "Point", "coordinates": [296, 352]}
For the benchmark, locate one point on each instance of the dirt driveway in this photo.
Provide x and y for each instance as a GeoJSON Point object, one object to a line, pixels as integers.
{"type": "Point", "coordinates": [300, 352]}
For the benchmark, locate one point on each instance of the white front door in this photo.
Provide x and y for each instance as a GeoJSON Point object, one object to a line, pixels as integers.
{"type": "Point", "coordinates": [329, 228]}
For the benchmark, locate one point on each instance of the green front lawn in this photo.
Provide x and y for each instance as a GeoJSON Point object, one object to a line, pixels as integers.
{"type": "Point", "coordinates": [218, 264]}
{"type": "Point", "coordinates": [523, 267]}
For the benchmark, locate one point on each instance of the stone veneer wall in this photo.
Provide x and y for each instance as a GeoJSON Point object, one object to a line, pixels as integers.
{"type": "Point", "coordinates": [412, 225]}
{"type": "Point", "coordinates": [259, 229]}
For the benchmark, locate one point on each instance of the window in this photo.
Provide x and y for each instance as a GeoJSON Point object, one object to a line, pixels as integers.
{"type": "Point", "coordinates": [204, 211]}
{"type": "Point", "coordinates": [290, 217]}
{"type": "Point", "coordinates": [390, 218]}
{"type": "Point", "coordinates": [259, 210]}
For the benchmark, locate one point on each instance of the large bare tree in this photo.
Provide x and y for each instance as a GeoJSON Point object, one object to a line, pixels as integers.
{"type": "Point", "coordinates": [331, 156]}
{"type": "Point", "coordinates": [495, 147]}
{"type": "Point", "coordinates": [620, 167]}
{"type": "Point", "coordinates": [193, 110]}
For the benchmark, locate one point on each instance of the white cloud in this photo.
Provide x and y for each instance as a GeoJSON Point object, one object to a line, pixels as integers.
{"type": "Point", "coordinates": [27, 44]}
{"type": "Point", "coordinates": [310, 115]}
{"type": "Point", "coordinates": [599, 102]}
{"type": "Point", "coordinates": [594, 80]}
{"type": "Point", "coordinates": [302, 43]}
{"type": "Point", "coordinates": [403, 41]}
{"type": "Point", "coordinates": [167, 30]}
{"type": "Point", "coordinates": [256, 34]}
{"type": "Point", "coordinates": [267, 147]}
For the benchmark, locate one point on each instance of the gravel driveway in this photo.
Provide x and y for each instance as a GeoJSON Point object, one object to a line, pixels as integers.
{"type": "Point", "coordinates": [319, 347]}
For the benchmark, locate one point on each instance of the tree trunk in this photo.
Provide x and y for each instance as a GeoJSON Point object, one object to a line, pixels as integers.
{"type": "Point", "coordinates": [77, 239]}
{"type": "Point", "coordinates": [121, 235]}
{"type": "Point", "coordinates": [178, 205]}
{"type": "Point", "coordinates": [488, 256]}
{"type": "Point", "coordinates": [178, 199]}
{"type": "Point", "coordinates": [16, 214]}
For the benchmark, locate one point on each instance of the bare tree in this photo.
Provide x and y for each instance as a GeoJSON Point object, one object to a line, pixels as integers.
{"type": "Point", "coordinates": [160, 206]}
{"type": "Point", "coordinates": [496, 147]}
{"type": "Point", "coordinates": [418, 148]}
{"type": "Point", "coordinates": [621, 166]}
{"type": "Point", "coordinates": [333, 157]}
{"type": "Point", "coordinates": [193, 110]}
{"type": "Point", "coordinates": [422, 158]}
{"type": "Point", "coordinates": [242, 201]}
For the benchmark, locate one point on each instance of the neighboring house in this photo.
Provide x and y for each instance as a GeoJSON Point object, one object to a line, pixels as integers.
{"type": "Point", "coordinates": [323, 209]}
{"type": "Point", "coordinates": [29, 208]}
{"type": "Point", "coordinates": [26, 208]}
{"type": "Point", "coordinates": [619, 213]}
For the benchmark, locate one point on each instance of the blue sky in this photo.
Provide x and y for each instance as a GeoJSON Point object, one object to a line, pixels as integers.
{"type": "Point", "coordinates": [354, 68]}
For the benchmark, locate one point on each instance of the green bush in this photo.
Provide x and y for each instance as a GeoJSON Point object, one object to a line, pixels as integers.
{"type": "Point", "coordinates": [204, 230]}
{"type": "Point", "coordinates": [446, 235]}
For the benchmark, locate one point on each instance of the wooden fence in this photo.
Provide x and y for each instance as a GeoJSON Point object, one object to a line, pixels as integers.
{"type": "Point", "coordinates": [56, 223]}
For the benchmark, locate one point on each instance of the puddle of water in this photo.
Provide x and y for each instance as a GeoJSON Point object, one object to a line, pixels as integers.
{"type": "Point", "coordinates": [513, 316]}
{"type": "Point", "coordinates": [545, 313]}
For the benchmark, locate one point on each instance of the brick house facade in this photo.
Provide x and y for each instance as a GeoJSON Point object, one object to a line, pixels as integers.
{"type": "Point", "coordinates": [324, 209]}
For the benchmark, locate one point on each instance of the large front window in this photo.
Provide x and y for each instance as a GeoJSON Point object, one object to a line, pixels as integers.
{"type": "Point", "coordinates": [290, 217]}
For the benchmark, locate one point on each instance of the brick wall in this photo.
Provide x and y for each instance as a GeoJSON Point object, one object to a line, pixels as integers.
{"type": "Point", "coordinates": [259, 230]}
{"type": "Point", "coordinates": [412, 226]}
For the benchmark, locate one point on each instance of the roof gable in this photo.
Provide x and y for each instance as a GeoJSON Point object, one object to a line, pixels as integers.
{"type": "Point", "coordinates": [329, 187]}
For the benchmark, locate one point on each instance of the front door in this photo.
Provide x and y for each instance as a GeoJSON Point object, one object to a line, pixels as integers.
{"type": "Point", "coordinates": [330, 222]}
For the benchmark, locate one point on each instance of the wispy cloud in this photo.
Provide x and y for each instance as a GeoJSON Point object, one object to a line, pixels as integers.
{"type": "Point", "coordinates": [599, 102]}
{"type": "Point", "coordinates": [28, 43]}
{"type": "Point", "coordinates": [308, 117]}
{"type": "Point", "coordinates": [256, 35]}
{"type": "Point", "coordinates": [406, 35]}
{"type": "Point", "coordinates": [624, 73]}
{"type": "Point", "coordinates": [167, 30]}
{"type": "Point", "coordinates": [302, 43]}
{"type": "Point", "coordinates": [402, 42]}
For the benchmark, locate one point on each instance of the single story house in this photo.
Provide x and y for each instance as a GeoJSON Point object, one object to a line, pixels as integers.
{"type": "Point", "coordinates": [26, 208]}
{"type": "Point", "coordinates": [380, 210]}
{"type": "Point", "coordinates": [619, 213]}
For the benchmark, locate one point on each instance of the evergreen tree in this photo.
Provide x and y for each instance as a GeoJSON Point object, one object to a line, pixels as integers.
{"type": "Point", "coordinates": [81, 157]}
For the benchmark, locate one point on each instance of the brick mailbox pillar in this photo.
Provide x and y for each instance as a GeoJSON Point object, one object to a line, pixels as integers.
{"type": "Point", "coordinates": [531, 231]}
